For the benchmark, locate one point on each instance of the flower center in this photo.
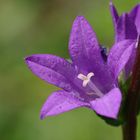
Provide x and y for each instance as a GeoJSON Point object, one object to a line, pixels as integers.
{"type": "Point", "coordinates": [87, 81]}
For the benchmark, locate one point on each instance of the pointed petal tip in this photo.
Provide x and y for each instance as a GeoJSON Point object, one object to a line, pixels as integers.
{"type": "Point", "coordinates": [59, 102]}
{"type": "Point", "coordinates": [27, 58]}
{"type": "Point", "coordinates": [79, 18]}
{"type": "Point", "coordinates": [108, 105]}
{"type": "Point", "coordinates": [110, 3]}
{"type": "Point", "coordinates": [42, 116]}
{"type": "Point", "coordinates": [138, 5]}
{"type": "Point", "coordinates": [112, 116]}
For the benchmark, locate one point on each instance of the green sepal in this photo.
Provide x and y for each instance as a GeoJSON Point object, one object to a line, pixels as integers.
{"type": "Point", "coordinates": [112, 122]}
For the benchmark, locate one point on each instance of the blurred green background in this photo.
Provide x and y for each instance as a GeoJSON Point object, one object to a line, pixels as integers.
{"type": "Point", "coordinates": [43, 26]}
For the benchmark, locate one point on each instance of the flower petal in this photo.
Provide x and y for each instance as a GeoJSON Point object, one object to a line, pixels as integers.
{"type": "Point", "coordinates": [86, 54]}
{"type": "Point", "coordinates": [59, 102]}
{"type": "Point", "coordinates": [114, 14]}
{"type": "Point", "coordinates": [52, 69]}
{"type": "Point", "coordinates": [119, 56]}
{"type": "Point", "coordinates": [109, 104]}
{"type": "Point", "coordinates": [134, 11]}
{"type": "Point", "coordinates": [137, 19]}
{"type": "Point", "coordinates": [129, 65]}
{"type": "Point", "coordinates": [83, 44]}
{"type": "Point", "coordinates": [126, 28]}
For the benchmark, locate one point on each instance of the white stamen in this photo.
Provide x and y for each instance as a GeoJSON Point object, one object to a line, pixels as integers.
{"type": "Point", "coordinates": [85, 79]}
{"type": "Point", "coordinates": [90, 75]}
{"type": "Point", "coordinates": [82, 76]}
{"type": "Point", "coordinates": [85, 82]}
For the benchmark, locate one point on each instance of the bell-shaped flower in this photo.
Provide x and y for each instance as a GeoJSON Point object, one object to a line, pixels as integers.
{"type": "Point", "coordinates": [127, 26]}
{"type": "Point", "coordinates": [88, 81]}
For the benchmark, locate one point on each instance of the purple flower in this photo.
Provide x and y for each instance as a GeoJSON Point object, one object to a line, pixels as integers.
{"type": "Point", "coordinates": [88, 81]}
{"type": "Point", "coordinates": [127, 26]}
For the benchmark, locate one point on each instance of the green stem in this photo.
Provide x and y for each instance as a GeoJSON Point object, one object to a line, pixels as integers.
{"type": "Point", "coordinates": [130, 129]}
{"type": "Point", "coordinates": [132, 100]}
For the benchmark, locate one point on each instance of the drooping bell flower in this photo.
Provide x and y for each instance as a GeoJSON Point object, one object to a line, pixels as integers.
{"type": "Point", "coordinates": [127, 26]}
{"type": "Point", "coordinates": [88, 81]}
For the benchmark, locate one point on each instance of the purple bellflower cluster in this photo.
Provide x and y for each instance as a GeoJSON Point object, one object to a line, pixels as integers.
{"type": "Point", "coordinates": [89, 80]}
